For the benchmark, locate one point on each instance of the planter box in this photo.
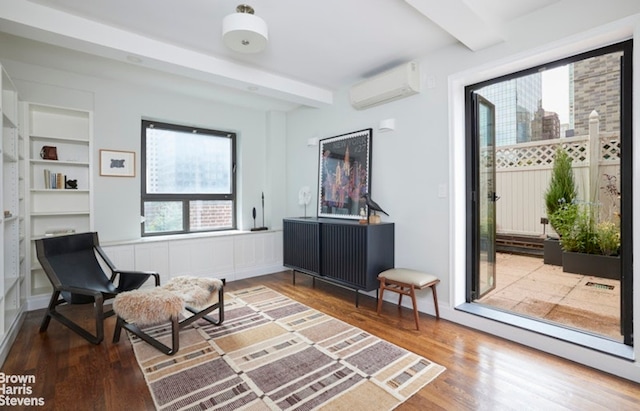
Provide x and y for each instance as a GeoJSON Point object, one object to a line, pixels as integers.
{"type": "Point", "coordinates": [552, 251]}
{"type": "Point", "coordinates": [603, 266]}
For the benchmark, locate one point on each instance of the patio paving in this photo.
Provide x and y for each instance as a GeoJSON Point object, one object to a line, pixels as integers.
{"type": "Point", "coordinates": [525, 285]}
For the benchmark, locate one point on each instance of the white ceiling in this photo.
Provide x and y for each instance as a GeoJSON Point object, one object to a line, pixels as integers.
{"type": "Point", "coordinates": [315, 47]}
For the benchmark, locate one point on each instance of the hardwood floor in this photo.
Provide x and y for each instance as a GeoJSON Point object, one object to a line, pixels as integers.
{"type": "Point", "coordinates": [483, 372]}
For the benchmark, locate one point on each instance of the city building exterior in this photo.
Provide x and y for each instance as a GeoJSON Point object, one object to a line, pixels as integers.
{"type": "Point", "coordinates": [595, 83]}
{"type": "Point", "coordinates": [516, 102]}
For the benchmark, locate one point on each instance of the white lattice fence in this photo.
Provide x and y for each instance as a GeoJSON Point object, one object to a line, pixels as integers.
{"type": "Point", "coordinates": [541, 153]}
{"type": "Point", "coordinates": [609, 148]}
{"type": "Point", "coordinates": [523, 172]}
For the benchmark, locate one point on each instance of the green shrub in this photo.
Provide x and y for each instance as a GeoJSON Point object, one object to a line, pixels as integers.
{"type": "Point", "coordinates": [608, 237]}
{"type": "Point", "coordinates": [562, 186]}
{"type": "Point", "coordinates": [564, 217]}
{"type": "Point", "coordinates": [581, 233]}
{"type": "Point", "coordinates": [582, 236]}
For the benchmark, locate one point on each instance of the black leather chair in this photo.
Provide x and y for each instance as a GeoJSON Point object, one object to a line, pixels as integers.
{"type": "Point", "coordinates": [72, 264]}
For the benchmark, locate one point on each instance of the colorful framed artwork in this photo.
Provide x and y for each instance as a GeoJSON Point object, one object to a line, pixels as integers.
{"type": "Point", "coordinates": [344, 175]}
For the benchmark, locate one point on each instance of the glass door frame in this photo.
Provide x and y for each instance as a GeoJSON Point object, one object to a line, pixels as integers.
{"type": "Point", "coordinates": [472, 215]}
{"type": "Point", "coordinates": [487, 247]}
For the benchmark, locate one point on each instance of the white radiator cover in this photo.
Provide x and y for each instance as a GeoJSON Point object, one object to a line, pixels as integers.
{"type": "Point", "coordinates": [394, 84]}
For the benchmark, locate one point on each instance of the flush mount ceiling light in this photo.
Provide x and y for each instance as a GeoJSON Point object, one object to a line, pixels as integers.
{"type": "Point", "coordinates": [244, 32]}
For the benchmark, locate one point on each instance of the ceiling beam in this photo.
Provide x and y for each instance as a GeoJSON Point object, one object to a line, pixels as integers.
{"type": "Point", "coordinates": [455, 17]}
{"type": "Point", "coordinates": [44, 24]}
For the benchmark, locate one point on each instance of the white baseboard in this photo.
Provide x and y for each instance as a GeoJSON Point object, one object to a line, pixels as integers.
{"type": "Point", "coordinates": [241, 274]}
{"type": "Point", "coordinates": [37, 302]}
{"type": "Point", "coordinates": [10, 337]}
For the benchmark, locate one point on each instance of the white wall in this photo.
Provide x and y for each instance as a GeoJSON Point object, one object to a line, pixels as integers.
{"type": "Point", "coordinates": [407, 166]}
{"type": "Point", "coordinates": [427, 150]}
{"type": "Point", "coordinates": [118, 109]}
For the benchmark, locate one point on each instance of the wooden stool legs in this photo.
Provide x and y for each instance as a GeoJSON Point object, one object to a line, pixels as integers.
{"type": "Point", "coordinates": [435, 299]}
{"type": "Point", "coordinates": [380, 294]}
{"type": "Point", "coordinates": [407, 289]}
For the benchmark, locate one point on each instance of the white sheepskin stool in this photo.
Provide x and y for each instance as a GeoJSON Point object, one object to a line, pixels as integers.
{"type": "Point", "coordinates": [197, 292]}
{"type": "Point", "coordinates": [146, 307]}
{"type": "Point", "coordinates": [166, 303]}
{"type": "Point", "coordinates": [157, 305]}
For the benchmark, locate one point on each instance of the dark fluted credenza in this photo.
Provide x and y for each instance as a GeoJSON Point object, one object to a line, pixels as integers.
{"type": "Point", "coordinates": [343, 252]}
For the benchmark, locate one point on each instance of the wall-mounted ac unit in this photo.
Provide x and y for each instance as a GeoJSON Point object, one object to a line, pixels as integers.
{"type": "Point", "coordinates": [399, 82]}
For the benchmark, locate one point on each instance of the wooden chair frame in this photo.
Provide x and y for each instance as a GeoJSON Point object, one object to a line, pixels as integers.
{"type": "Point", "coordinates": [410, 290]}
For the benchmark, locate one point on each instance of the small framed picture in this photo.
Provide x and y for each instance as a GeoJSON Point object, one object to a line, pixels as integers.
{"type": "Point", "coordinates": [114, 163]}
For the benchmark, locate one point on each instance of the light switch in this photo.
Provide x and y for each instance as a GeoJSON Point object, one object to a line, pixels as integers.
{"type": "Point", "coordinates": [442, 190]}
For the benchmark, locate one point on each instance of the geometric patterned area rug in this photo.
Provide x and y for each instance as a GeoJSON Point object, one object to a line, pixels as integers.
{"type": "Point", "coordinates": [274, 353]}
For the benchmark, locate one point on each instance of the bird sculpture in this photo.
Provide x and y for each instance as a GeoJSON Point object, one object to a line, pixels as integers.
{"type": "Point", "coordinates": [373, 205]}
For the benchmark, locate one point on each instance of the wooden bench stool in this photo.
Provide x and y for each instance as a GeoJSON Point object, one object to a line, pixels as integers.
{"type": "Point", "coordinates": [405, 282]}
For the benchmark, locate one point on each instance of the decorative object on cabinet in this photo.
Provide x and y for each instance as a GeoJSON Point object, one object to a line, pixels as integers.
{"type": "Point", "coordinates": [262, 228]}
{"type": "Point", "coordinates": [373, 206]}
{"type": "Point", "coordinates": [115, 163]}
{"type": "Point", "coordinates": [304, 198]}
{"type": "Point", "coordinates": [344, 174]}
{"type": "Point", "coordinates": [343, 252]}
{"type": "Point", "coordinates": [253, 214]}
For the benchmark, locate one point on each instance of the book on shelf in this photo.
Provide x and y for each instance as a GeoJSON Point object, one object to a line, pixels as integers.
{"type": "Point", "coordinates": [54, 180]}
{"type": "Point", "coordinates": [59, 231]}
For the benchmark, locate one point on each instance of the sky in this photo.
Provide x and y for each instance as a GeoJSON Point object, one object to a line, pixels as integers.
{"type": "Point", "coordinates": [555, 92]}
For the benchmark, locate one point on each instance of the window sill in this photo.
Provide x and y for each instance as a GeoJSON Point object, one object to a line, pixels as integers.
{"type": "Point", "coordinates": [178, 237]}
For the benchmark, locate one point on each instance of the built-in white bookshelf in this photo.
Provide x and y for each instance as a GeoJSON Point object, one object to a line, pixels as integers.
{"type": "Point", "coordinates": [12, 286]}
{"type": "Point", "coordinates": [56, 206]}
